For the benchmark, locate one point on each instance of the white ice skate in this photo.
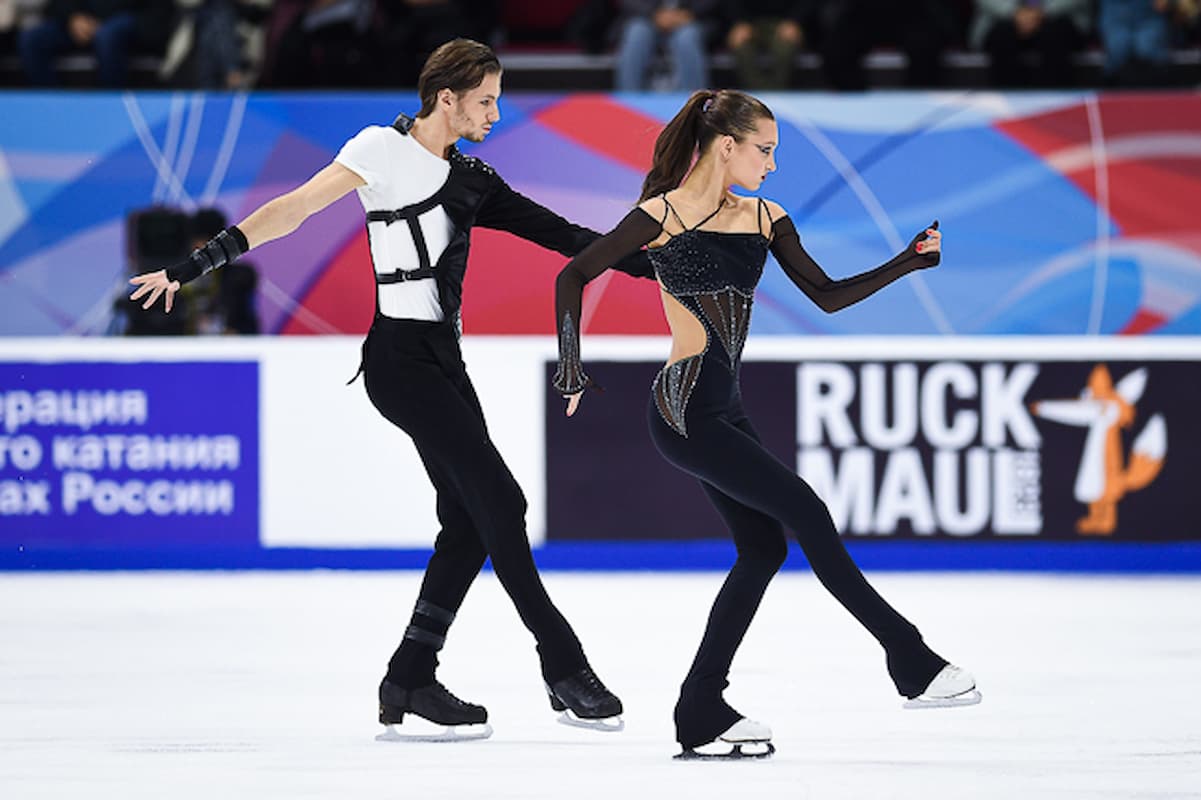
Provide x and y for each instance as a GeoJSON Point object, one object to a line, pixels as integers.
{"type": "Point", "coordinates": [416, 729]}
{"type": "Point", "coordinates": [951, 687]}
{"type": "Point", "coordinates": [746, 738]}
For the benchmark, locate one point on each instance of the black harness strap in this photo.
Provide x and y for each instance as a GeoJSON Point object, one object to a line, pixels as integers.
{"type": "Point", "coordinates": [410, 214]}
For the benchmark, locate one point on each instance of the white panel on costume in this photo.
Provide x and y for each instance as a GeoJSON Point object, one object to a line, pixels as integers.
{"type": "Point", "coordinates": [399, 172]}
{"type": "Point", "coordinates": [411, 300]}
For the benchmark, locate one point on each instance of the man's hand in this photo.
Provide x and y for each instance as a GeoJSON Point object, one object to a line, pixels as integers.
{"type": "Point", "coordinates": [154, 284]}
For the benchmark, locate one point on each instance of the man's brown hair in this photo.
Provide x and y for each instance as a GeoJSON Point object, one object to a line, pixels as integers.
{"type": "Point", "coordinates": [459, 65]}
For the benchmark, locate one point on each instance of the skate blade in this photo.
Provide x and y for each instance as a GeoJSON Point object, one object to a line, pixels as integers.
{"type": "Point", "coordinates": [739, 751]}
{"type": "Point", "coordinates": [969, 698]}
{"type": "Point", "coordinates": [435, 733]}
{"type": "Point", "coordinates": [605, 724]}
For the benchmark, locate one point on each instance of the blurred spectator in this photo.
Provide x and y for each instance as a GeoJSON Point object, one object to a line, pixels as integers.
{"type": "Point", "coordinates": [321, 43]}
{"type": "Point", "coordinates": [359, 43]}
{"type": "Point", "coordinates": [412, 29]}
{"type": "Point", "coordinates": [1138, 36]}
{"type": "Point", "coordinates": [1051, 30]}
{"type": "Point", "coordinates": [681, 26]}
{"type": "Point", "coordinates": [922, 29]}
{"type": "Point", "coordinates": [225, 298]}
{"type": "Point", "coordinates": [8, 25]}
{"type": "Point", "coordinates": [216, 44]}
{"type": "Point", "coordinates": [589, 26]}
{"type": "Point", "coordinates": [1186, 23]}
{"type": "Point", "coordinates": [111, 29]}
{"type": "Point", "coordinates": [764, 37]}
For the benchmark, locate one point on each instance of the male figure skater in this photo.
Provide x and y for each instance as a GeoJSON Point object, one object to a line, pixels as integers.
{"type": "Point", "coordinates": [422, 197]}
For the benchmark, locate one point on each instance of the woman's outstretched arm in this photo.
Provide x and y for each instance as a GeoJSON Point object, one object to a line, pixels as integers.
{"type": "Point", "coordinates": [833, 295]}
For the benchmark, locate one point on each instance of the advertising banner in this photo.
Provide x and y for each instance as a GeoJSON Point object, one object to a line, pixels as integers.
{"type": "Point", "coordinates": [129, 455]}
{"type": "Point", "coordinates": [954, 449]}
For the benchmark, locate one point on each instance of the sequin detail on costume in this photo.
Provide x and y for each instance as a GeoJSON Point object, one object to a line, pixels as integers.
{"type": "Point", "coordinates": [471, 162]}
{"type": "Point", "coordinates": [569, 377]}
{"type": "Point", "coordinates": [673, 386]}
{"type": "Point", "coordinates": [715, 280]}
{"type": "Point", "coordinates": [729, 315]}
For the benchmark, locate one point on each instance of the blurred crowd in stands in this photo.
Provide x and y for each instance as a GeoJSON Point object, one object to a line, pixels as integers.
{"type": "Point", "coordinates": [651, 44]}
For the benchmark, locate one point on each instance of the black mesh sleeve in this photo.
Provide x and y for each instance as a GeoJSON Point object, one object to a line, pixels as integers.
{"type": "Point", "coordinates": [621, 245]}
{"type": "Point", "coordinates": [506, 209]}
{"type": "Point", "coordinates": [832, 295]}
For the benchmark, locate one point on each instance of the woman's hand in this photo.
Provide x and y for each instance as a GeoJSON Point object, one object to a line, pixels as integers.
{"type": "Point", "coordinates": [573, 402]}
{"type": "Point", "coordinates": [154, 284]}
{"type": "Point", "coordinates": [932, 243]}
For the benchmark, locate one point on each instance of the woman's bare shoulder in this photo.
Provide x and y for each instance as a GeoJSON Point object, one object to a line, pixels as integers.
{"type": "Point", "coordinates": [774, 209]}
{"type": "Point", "coordinates": [655, 206]}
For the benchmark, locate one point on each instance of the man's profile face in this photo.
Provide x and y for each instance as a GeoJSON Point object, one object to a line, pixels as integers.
{"type": "Point", "coordinates": [474, 112]}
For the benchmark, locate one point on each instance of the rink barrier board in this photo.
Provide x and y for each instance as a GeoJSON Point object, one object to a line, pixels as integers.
{"type": "Point", "coordinates": [652, 556]}
{"type": "Point", "coordinates": [333, 474]}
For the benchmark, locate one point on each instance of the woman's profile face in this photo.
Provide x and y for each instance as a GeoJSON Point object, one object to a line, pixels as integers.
{"type": "Point", "coordinates": [751, 159]}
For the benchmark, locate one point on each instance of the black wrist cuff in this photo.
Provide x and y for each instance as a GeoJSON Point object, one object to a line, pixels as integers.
{"type": "Point", "coordinates": [224, 248]}
{"type": "Point", "coordinates": [244, 245]}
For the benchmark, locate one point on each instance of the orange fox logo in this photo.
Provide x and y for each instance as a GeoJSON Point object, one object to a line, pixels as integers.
{"type": "Point", "coordinates": [1105, 409]}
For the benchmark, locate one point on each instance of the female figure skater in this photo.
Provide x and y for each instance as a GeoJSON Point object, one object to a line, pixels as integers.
{"type": "Point", "coordinates": [708, 247]}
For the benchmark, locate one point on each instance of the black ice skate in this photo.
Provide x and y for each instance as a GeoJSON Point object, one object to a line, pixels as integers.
{"type": "Point", "coordinates": [585, 702]}
{"type": "Point", "coordinates": [744, 739]}
{"type": "Point", "coordinates": [436, 715]}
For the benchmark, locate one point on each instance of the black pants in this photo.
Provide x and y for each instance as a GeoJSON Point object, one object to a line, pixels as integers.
{"type": "Point", "coordinates": [758, 496]}
{"type": "Point", "coordinates": [416, 378]}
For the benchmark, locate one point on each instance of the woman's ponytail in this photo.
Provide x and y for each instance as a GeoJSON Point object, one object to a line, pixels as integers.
{"type": "Point", "coordinates": [677, 145]}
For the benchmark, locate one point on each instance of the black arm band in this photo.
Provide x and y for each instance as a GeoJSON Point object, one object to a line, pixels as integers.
{"type": "Point", "coordinates": [227, 246]}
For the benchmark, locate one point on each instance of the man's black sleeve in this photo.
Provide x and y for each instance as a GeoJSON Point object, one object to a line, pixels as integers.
{"type": "Point", "coordinates": [508, 210]}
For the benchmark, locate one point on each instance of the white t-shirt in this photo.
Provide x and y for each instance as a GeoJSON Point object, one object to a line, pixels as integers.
{"type": "Point", "coordinates": [399, 172]}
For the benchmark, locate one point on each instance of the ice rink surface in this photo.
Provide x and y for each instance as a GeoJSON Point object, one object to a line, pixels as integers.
{"type": "Point", "coordinates": [262, 685]}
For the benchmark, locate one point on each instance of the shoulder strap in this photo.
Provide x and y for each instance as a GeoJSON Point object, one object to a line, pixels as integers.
{"type": "Point", "coordinates": [711, 214]}
{"type": "Point", "coordinates": [674, 213]}
{"type": "Point", "coordinates": [759, 217]}
{"type": "Point", "coordinates": [402, 124]}
{"type": "Point", "coordinates": [663, 222]}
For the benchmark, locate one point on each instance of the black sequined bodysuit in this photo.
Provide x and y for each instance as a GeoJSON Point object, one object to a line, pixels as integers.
{"type": "Point", "coordinates": [697, 423]}
{"type": "Point", "coordinates": [713, 274]}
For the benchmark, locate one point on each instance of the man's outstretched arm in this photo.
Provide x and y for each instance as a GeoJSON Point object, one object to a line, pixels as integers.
{"type": "Point", "coordinates": [274, 219]}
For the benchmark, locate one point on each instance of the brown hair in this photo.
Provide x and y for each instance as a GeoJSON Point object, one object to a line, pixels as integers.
{"type": "Point", "coordinates": [706, 116]}
{"type": "Point", "coordinates": [459, 65]}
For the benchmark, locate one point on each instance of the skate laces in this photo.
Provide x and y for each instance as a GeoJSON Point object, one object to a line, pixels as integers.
{"type": "Point", "coordinates": [593, 683]}
{"type": "Point", "coordinates": [445, 695]}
